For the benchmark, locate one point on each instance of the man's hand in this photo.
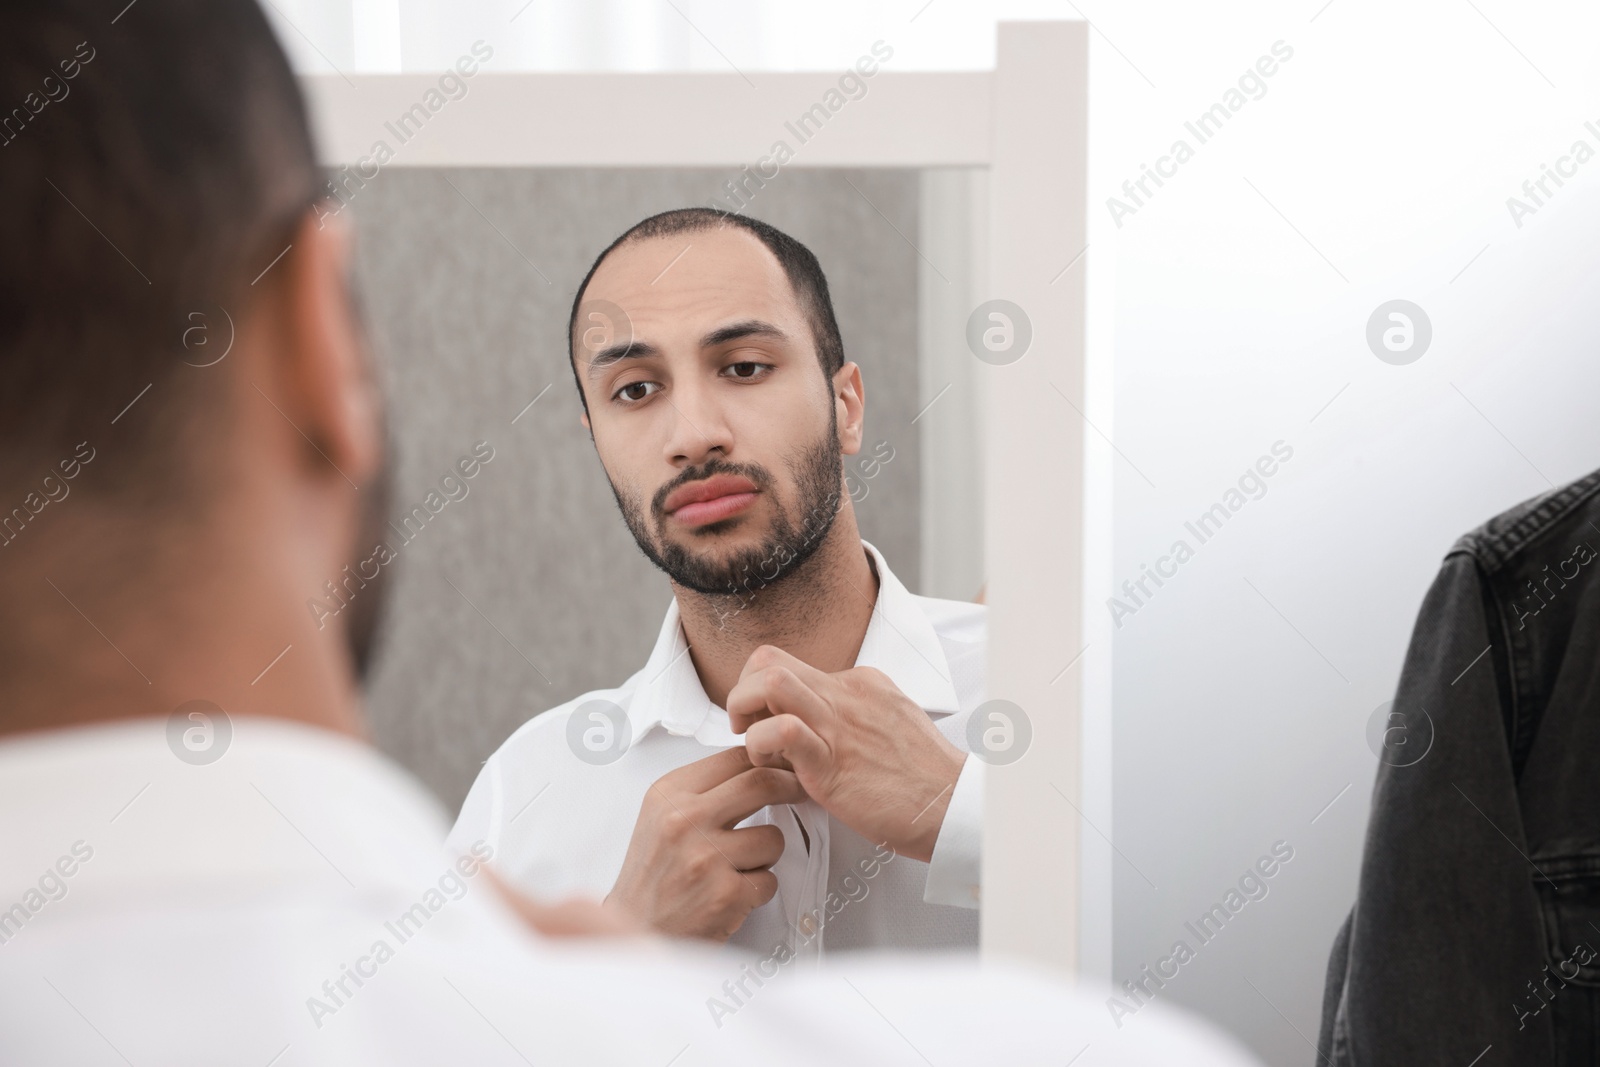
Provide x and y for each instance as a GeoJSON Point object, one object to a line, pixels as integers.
{"type": "Point", "coordinates": [688, 872]}
{"type": "Point", "coordinates": [575, 917]}
{"type": "Point", "coordinates": [859, 746]}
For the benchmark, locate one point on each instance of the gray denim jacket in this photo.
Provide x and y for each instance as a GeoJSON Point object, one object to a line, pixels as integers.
{"type": "Point", "coordinates": [1476, 927]}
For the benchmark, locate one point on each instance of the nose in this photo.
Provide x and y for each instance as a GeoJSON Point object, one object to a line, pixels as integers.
{"type": "Point", "coordinates": [699, 426]}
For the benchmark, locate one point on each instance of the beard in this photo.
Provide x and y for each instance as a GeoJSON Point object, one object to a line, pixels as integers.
{"type": "Point", "coordinates": [791, 541]}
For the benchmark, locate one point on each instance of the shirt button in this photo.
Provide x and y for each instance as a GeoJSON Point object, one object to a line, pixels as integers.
{"type": "Point", "coordinates": [807, 925]}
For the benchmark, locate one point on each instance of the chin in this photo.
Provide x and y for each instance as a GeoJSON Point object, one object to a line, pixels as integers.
{"type": "Point", "coordinates": [729, 531]}
{"type": "Point", "coordinates": [718, 542]}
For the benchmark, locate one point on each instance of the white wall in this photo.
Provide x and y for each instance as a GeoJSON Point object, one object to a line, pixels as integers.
{"type": "Point", "coordinates": [1390, 142]}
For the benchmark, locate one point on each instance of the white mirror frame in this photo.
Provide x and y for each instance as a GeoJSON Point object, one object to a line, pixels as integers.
{"type": "Point", "coordinates": [1026, 122]}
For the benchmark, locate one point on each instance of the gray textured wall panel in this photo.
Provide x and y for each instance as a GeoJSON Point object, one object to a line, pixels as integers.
{"type": "Point", "coordinates": [468, 276]}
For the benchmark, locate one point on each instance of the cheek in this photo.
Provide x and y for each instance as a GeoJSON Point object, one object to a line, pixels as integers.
{"type": "Point", "coordinates": [783, 420]}
{"type": "Point", "coordinates": [629, 463]}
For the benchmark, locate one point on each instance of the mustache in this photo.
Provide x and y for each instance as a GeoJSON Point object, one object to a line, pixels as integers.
{"type": "Point", "coordinates": [757, 474]}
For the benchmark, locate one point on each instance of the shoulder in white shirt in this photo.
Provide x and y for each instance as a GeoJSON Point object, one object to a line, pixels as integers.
{"type": "Point", "coordinates": [289, 906]}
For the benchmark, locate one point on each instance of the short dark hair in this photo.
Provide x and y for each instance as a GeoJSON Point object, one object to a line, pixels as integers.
{"type": "Point", "coordinates": [800, 266]}
{"type": "Point", "coordinates": [154, 164]}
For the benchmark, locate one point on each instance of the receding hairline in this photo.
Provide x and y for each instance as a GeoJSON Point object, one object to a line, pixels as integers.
{"type": "Point", "coordinates": [631, 239]}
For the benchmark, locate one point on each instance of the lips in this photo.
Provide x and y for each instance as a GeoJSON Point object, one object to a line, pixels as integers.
{"type": "Point", "coordinates": [711, 500]}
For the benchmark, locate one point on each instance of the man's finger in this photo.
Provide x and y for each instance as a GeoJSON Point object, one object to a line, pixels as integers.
{"type": "Point", "coordinates": [739, 798]}
{"type": "Point", "coordinates": [766, 656]}
{"type": "Point", "coordinates": [787, 737]}
{"type": "Point", "coordinates": [759, 887]}
{"type": "Point", "coordinates": [777, 690]}
{"type": "Point", "coordinates": [752, 847]}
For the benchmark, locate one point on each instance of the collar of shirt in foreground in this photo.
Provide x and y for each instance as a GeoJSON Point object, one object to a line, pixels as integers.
{"type": "Point", "coordinates": [285, 807]}
{"type": "Point", "coordinates": [900, 641]}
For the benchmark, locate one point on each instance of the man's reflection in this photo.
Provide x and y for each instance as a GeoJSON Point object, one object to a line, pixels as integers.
{"type": "Point", "coordinates": [718, 396]}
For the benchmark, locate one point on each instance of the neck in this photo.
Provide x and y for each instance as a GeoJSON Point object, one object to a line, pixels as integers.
{"type": "Point", "coordinates": [817, 612]}
{"type": "Point", "coordinates": [95, 629]}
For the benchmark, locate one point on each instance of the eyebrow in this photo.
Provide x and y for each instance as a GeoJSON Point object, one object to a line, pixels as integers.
{"type": "Point", "coordinates": [720, 336]}
{"type": "Point", "coordinates": [740, 330]}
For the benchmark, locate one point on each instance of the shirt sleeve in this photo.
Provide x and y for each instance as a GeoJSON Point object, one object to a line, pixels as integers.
{"type": "Point", "coordinates": [479, 819]}
{"type": "Point", "coordinates": [955, 868]}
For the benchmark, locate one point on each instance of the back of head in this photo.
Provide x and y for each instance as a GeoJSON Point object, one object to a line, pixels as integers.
{"type": "Point", "coordinates": [153, 163]}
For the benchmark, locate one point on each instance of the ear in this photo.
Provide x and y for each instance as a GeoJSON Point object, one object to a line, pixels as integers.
{"type": "Point", "coordinates": [850, 404]}
{"type": "Point", "coordinates": [584, 419]}
{"type": "Point", "coordinates": [323, 373]}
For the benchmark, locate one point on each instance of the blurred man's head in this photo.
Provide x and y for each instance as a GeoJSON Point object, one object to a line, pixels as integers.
{"type": "Point", "coordinates": [168, 304]}
{"type": "Point", "coordinates": [714, 384]}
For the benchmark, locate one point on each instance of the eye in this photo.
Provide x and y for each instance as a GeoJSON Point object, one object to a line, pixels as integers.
{"type": "Point", "coordinates": [634, 392]}
{"type": "Point", "coordinates": [748, 370]}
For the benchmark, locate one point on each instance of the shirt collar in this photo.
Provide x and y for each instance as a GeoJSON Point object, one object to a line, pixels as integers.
{"type": "Point", "coordinates": [900, 641]}
{"type": "Point", "coordinates": [235, 825]}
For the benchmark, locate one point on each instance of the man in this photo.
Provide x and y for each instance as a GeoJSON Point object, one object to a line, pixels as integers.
{"type": "Point", "coordinates": [201, 861]}
{"type": "Point", "coordinates": [717, 394]}
{"type": "Point", "coordinates": [1477, 918]}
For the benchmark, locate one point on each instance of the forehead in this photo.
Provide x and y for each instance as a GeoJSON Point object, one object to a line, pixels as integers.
{"type": "Point", "coordinates": [695, 279]}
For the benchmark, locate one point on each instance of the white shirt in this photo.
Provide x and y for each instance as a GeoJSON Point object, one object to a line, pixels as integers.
{"type": "Point", "coordinates": [560, 823]}
{"type": "Point", "coordinates": [155, 912]}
